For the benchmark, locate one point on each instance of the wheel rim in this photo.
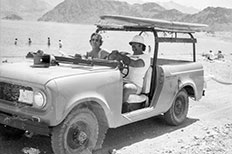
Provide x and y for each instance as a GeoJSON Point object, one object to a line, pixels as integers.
{"type": "Point", "coordinates": [78, 136]}
{"type": "Point", "coordinates": [179, 107]}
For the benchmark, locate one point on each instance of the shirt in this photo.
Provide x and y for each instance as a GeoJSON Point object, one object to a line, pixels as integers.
{"type": "Point", "coordinates": [136, 74]}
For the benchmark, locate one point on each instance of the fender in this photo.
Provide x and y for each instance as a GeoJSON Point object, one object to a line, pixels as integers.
{"type": "Point", "coordinates": [82, 99]}
{"type": "Point", "coordinates": [187, 82]}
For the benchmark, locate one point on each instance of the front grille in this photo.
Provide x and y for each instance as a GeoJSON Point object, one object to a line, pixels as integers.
{"type": "Point", "coordinates": [10, 92]}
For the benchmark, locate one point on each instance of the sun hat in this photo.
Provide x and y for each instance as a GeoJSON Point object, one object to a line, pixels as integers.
{"type": "Point", "coordinates": [137, 39]}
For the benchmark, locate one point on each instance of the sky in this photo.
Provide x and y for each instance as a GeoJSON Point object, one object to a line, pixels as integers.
{"type": "Point", "coordinates": [198, 4]}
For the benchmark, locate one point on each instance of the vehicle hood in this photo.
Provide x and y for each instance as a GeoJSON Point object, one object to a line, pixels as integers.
{"type": "Point", "coordinates": [27, 72]}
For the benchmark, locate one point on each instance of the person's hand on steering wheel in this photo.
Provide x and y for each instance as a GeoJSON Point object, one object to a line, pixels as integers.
{"type": "Point", "coordinates": [123, 60]}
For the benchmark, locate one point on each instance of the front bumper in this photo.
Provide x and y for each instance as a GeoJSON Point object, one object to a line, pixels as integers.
{"type": "Point", "coordinates": [31, 125]}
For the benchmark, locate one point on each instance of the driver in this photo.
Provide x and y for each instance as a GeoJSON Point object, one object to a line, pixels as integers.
{"type": "Point", "coordinates": [138, 65]}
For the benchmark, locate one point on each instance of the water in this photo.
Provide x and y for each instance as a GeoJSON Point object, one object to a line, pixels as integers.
{"type": "Point", "coordinates": [75, 39]}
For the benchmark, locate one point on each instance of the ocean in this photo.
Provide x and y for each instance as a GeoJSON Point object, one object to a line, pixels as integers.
{"type": "Point", "coordinates": [75, 39]}
{"type": "Point", "coordinates": [73, 36]}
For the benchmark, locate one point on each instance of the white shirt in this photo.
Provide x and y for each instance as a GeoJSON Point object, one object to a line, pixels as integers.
{"type": "Point", "coordinates": [136, 74]}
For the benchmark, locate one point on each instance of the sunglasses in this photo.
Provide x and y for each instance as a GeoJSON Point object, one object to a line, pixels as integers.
{"type": "Point", "coordinates": [96, 40]}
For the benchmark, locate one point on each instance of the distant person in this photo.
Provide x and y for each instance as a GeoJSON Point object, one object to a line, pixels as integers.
{"type": "Point", "coordinates": [60, 44]}
{"type": "Point", "coordinates": [29, 41]}
{"type": "Point", "coordinates": [49, 42]}
{"type": "Point", "coordinates": [96, 43]}
{"type": "Point", "coordinates": [220, 55]}
{"type": "Point", "coordinates": [210, 55]}
{"type": "Point", "coordinates": [16, 41]}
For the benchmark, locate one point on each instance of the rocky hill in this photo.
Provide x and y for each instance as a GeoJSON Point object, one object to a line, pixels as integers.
{"type": "Point", "coordinates": [218, 19]}
{"type": "Point", "coordinates": [88, 11]}
{"type": "Point", "coordinates": [27, 9]}
{"type": "Point", "coordinates": [12, 17]}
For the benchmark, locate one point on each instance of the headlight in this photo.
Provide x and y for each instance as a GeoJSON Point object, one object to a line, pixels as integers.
{"type": "Point", "coordinates": [39, 99]}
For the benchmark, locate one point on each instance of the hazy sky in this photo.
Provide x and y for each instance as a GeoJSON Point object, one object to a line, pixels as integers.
{"type": "Point", "coordinates": [198, 4]}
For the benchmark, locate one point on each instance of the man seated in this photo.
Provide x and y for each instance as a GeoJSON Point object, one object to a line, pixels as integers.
{"type": "Point", "coordinates": [139, 63]}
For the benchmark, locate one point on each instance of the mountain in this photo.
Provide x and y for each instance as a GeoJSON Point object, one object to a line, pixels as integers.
{"type": "Point", "coordinates": [27, 9]}
{"type": "Point", "coordinates": [172, 15]}
{"type": "Point", "coordinates": [172, 5]}
{"type": "Point", "coordinates": [13, 17]}
{"type": "Point", "coordinates": [218, 19]}
{"type": "Point", "coordinates": [88, 11]}
{"type": "Point", "coordinates": [85, 11]}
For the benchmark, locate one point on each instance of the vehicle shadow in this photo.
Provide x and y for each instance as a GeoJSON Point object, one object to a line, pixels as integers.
{"type": "Point", "coordinates": [115, 138]}
{"type": "Point", "coordinates": [24, 145]}
{"type": "Point", "coordinates": [147, 129]}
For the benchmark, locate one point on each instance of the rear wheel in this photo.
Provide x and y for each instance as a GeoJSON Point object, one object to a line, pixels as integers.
{"type": "Point", "coordinates": [77, 134]}
{"type": "Point", "coordinates": [179, 109]}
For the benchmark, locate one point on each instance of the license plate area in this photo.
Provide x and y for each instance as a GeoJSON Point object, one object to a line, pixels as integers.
{"type": "Point", "coordinates": [25, 96]}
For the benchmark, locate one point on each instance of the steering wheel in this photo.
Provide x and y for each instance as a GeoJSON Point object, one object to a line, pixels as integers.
{"type": "Point", "coordinates": [123, 60]}
{"type": "Point", "coordinates": [124, 69]}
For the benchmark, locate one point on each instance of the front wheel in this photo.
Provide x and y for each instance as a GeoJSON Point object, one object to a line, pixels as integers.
{"type": "Point", "coordinates": [179, 109]}
{"type": "Point", "coordinates": [77, 134]}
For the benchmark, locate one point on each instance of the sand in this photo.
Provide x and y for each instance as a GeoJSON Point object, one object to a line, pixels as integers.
{"type": "Point", "coordinates": [220, 70]}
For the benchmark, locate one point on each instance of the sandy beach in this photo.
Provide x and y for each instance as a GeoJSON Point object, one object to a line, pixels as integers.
{"type": "Point", "coordinates": [220, 70]}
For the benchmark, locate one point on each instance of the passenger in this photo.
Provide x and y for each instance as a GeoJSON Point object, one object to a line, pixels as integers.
{"type": "Point", "coordinates": [138, 65]}
{"type": "Point", "coordinates": [96, 52]}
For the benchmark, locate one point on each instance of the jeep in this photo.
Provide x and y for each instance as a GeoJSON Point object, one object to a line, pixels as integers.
{"type": "Point", "coordinates": [75, 100]}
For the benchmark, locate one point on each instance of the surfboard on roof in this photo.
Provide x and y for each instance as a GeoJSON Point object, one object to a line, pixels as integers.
{"type": "Point", "coordinates": [156, 23]}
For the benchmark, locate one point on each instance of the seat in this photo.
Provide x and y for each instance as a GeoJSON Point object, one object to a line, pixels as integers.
{"type": "Point", "coordinates": [135, 98]}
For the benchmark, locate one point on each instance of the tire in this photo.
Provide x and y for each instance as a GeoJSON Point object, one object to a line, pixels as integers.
{"type": "Point", "coordinates": [179, 109]}
{"type": "Point", "coordinates": [77, 134]}
{"type": "Point", "coordinates": [11, 132]}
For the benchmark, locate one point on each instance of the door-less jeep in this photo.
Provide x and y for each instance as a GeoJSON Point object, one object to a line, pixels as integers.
{"type": "Point", "coordinates": [75, 100]}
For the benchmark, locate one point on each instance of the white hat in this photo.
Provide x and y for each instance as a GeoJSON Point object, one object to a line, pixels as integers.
{"type": "Point", "coordinates": [137, 39]}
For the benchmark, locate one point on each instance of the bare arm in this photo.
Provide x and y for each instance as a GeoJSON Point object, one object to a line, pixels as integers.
{"type": "Point", "coordinates": [104, 54]}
